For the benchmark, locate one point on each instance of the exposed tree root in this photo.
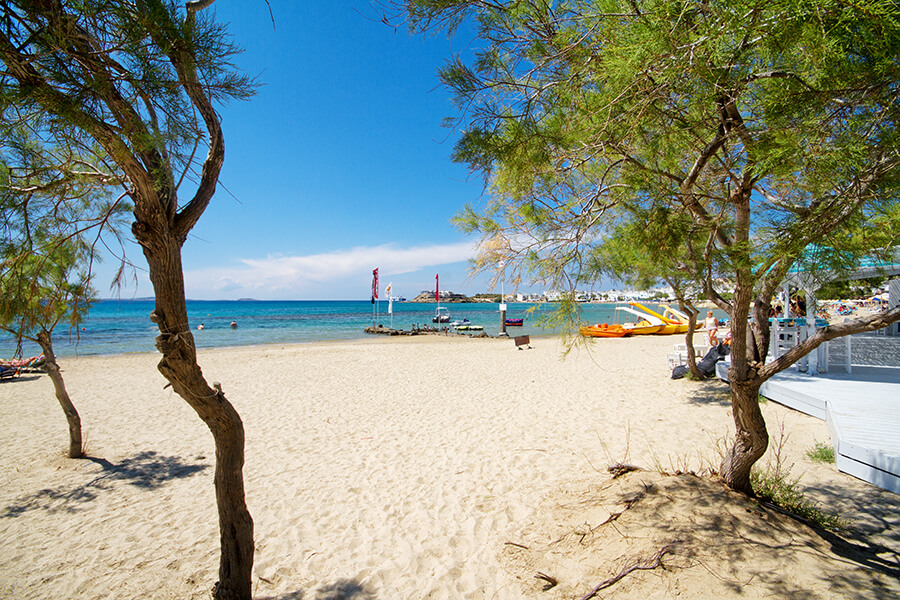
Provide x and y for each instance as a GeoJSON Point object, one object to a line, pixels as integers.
{"type": "Point", "coordinates": [645, 565]}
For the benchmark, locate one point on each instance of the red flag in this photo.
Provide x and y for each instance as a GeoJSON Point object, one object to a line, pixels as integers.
{"type": "Point", "coordinates": [436, 286]}
{"type": "Point", "coordinates": [374, 284]}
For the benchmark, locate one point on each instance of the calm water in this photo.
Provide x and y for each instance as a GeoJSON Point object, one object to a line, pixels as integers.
{"type": "Point", "coordinates": [115, 327]}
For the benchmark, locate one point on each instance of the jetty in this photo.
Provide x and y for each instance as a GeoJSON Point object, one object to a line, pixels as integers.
{"type": "Point", "coordinates": [423, 330]}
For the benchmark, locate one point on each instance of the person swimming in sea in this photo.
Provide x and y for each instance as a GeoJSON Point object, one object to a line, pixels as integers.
{"type": "Point", "coordinates": [234, 324]}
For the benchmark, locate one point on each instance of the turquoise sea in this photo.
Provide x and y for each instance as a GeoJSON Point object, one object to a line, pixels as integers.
{"type": "Point", "coordinates": [120, 326]}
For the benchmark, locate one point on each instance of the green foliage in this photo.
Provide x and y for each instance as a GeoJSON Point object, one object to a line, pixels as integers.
{"type": "Point", "coordinates": [773, 483]}
{"type": "Point", "coordinates": [821, 452]}
{"type": "Point", "coordinates": [140, 62]}
{"type": "Point", "coordinates": [781, 490]}
{"type": "Point", "coordinates": [39, 289]}
{"type": "Point", "coordinates": [55, 208]}
{"type": "Point", "coordinates": [642, 138]}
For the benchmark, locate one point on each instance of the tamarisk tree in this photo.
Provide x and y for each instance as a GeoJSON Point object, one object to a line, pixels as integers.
{"type": "Point", "coordinates": [760, 125]}
{"type": "Point", "coordinates": [141, 79]}
{"type": "Point", "coordinates": [56, 208]}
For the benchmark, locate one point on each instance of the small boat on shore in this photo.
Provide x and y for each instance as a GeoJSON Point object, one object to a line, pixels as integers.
{"type": "Point", "coordinates": [672, 322]}
{"type": "Point", "coordinates": [515, 322]}
{"type": "Point", "coordinates": [604, 330]}
{"type": "Point", "coordinates": [645, 325]}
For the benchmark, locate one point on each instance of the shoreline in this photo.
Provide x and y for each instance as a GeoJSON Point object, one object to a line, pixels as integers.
{"type": "Point", "coordinates": [400, 467]}
{"type": "Point", "coordinates": [366, 338]}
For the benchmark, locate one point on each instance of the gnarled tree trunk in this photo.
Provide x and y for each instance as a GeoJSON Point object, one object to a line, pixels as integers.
{"type": "Point", "coordinates": [120, 111]}
{"type": "Point", "coordinates": [179, 366]}
{"type": "Point", "coordinates": [76, 449]}
{"type": "Point", "coordinates": [751, 437]}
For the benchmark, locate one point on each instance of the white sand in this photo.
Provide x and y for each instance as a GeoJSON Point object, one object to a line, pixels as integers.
{"type": "Point", "coordinates": [388, 468]}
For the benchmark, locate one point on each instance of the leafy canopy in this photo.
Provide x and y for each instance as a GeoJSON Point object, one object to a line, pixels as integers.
{"type": "Point", "coordinates": [763, 125]}
{"type": "Point", "coordinates": [56, 212]}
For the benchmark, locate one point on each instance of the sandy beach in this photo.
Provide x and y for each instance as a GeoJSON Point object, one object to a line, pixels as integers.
{"type": "Point", "coordinates": [421, 467]}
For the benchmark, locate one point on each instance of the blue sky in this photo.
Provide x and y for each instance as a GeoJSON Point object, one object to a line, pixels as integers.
{"type": "Point", "coordinates": [337, 166]}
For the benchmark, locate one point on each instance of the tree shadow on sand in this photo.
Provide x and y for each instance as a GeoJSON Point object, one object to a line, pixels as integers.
{"type": "Point", "coordinates": [873, 517]}
{"type": "Point", "coordinates": [710, 392]}
{"type": "Point", "coordinates": [342, 589]}
{"type": "Point", "coordinates": [147, 470]}
{"type": "Point", "coordinates": [716, 540]}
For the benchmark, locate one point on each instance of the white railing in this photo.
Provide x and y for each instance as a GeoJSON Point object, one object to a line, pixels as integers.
{"type": "Point", "coordinates": [865, 349]}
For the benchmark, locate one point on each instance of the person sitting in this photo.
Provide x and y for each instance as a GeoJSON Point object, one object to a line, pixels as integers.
{"type": "Point", "coordinates": [712, 328]}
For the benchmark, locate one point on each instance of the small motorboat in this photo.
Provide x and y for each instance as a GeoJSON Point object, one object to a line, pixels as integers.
{"type": "Point", "coordinates": [458, 323]}
{"type": "Point", "coordinates": [441, 315]}
{"type": "Point", "coordinates": [515, 322]}
{"type": "Point", "coordinates": [604, 330]}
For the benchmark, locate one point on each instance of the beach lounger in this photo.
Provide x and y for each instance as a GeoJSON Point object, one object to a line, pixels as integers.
{"type": "Point", "coordinates": [7, 372]}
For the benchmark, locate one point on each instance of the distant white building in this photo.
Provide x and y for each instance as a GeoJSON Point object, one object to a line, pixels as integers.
{"type": "Point", "coordinates": [553, 296]}
{"type": "Point", "coordinates": [529, 298]}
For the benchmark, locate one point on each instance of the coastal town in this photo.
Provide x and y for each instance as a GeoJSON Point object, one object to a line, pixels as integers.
{"type": "Point", "coordinates": [662, 294]}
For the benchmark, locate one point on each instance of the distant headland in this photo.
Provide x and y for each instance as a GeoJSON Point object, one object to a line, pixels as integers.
{"type": "Point", "coordinates": [451, 297]}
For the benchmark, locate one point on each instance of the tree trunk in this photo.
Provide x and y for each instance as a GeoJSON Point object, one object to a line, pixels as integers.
{"type": "Point", "coordinates": [179, 366]}
{"type": "Point", "coordinates": [751, 437]}
{"type": "Point", "coordinates": [75, 445]}
{"type": "Point", "coordinates": [689, 339]}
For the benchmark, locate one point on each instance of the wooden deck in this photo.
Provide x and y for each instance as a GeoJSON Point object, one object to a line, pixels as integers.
{"type": "Point", "coordinates": [862, 410]}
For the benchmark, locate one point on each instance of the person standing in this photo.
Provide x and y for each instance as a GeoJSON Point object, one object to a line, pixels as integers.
{"type": "Point", "coordinates": [712, 328]}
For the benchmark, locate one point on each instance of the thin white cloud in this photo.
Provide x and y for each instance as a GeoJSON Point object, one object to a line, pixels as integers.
{"type": "Point", "coordinates": [294, 275]}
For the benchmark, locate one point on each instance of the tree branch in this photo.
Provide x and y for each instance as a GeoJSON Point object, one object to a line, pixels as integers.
{"type": "Point", "coordinates": [870, 323]}
{"type": "Point", "coordinates": [193, 6]}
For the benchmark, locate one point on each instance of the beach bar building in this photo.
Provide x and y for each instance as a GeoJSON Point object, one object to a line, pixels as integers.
{"type": "Point", "coordinates": [852, 383]}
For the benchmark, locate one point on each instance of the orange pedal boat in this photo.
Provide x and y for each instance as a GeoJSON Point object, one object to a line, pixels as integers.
{"type": "Point", "coordinates": [604, 330]}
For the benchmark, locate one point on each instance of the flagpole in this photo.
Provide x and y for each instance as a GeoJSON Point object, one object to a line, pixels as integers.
{"type": "Point", "coordinates": [502, 302]}
{"type": "Point", "coordinates": [389, 292]}
{"type": "Point", "coordinates": [374, 296]}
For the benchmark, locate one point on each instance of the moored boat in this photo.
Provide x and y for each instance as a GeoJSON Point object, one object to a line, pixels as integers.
{"type": "Point", "coordinates": [441, 315]}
